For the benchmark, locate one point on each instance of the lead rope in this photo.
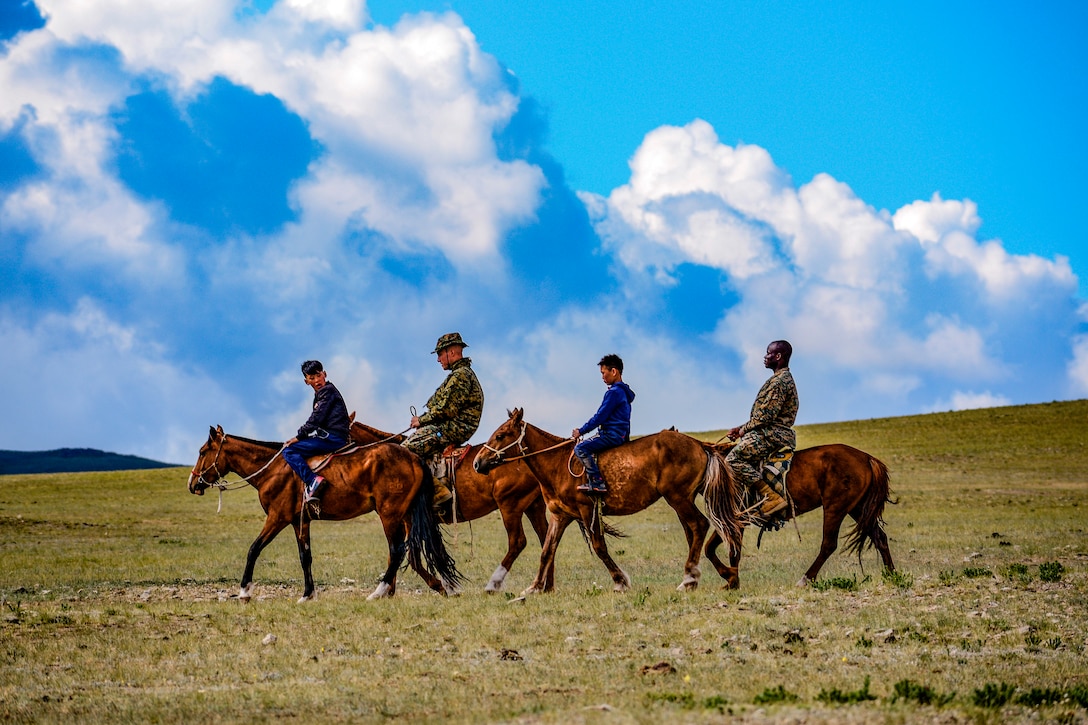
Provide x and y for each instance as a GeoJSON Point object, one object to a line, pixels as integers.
{"type": "Point", "coordinates": [222, 485]}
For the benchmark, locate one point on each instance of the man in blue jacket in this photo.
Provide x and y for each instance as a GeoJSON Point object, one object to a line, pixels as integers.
{"type": "Point", "coordinates": [326, 430]}
{"type": "Point", "coordinates": [613, 419]}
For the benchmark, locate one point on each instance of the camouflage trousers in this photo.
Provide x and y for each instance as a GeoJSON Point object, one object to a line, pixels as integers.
{"type": "Point", "coordinates": [430, 440]}
{"type": "Point", "coordinates": [752, 449]}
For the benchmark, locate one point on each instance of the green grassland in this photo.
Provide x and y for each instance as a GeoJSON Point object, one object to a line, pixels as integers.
{"type": "Point", "coordinates": [117, 605]}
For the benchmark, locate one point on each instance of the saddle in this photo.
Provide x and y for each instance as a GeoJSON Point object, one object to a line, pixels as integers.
{"type": "Point", "coordinates": [776, 467]}
{"type": "Point", "coordinates": [318, 462]}
{"type": "Point", "coordinates": [444, 464]}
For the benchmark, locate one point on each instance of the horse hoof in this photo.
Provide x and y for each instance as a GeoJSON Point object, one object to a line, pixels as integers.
{"type": "Point", "coordinates": [530, 591]}
{"type": "Point", "coordinates": [803, 582]}
{"type": "Point", "coordinates": [245, 594]}
{"type": "Point", "coordinates": [496, 581]}
{"type": "Point", "coordinates": [383, 590]}
{"type": "Point", "coordinates": [690, 583]}
{"type": "Point", "coordinates": [304, 598]}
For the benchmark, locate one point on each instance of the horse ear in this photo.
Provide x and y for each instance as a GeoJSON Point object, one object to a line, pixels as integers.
{"type": "Point", "coordinates": [219, 431]}
{"type": "Point", "coordinates": [517, 414]}
{"type": "Point", "coordinates": [351, 418]}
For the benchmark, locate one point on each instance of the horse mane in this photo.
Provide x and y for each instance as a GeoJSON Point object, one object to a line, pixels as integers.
{"type": "Point", "coordinates": [271, 445]}
{"type": "Point", "coordinates": [375, 431]}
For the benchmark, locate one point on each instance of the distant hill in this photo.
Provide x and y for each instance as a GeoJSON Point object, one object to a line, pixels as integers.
{"type": "Point", "coordinates": [72, 460]}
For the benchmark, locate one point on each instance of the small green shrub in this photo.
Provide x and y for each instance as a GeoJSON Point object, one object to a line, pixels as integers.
{"type": "Point", "coordinates": [685, 700]}
{"type": "Point", "coordinates": [946, 576]}
{"type": "Point", "coordinates": [838, 582]}
{"type": "Point", "coordinates": [922, 694]}
{"type": "Point", "coordinates": [1019, 572]}
{"type": "Point", "coordinates": [993, 696]}
{"type": "Point", "coordinates": [1051, 571]}
{"type": "Point", "coordinates": [772, 695]}
{"type": "Point", "coordinates": [976, 572]}
{"type": "Point", "coordinates": [836, 696]}
{"type": "Point", "coordinates": [899, 579]}
{"type": "Point", "coordinates": [1037, 697]}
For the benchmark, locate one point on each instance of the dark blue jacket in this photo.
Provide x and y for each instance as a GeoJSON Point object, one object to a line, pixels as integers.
{"type": "Point", "coordinates": [614, 415]}
{"type": "Point", "coordinates": [330, 415]}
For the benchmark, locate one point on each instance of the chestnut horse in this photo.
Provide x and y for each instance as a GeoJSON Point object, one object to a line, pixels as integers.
{"type": "Point", "coordinates": [385, 478]}
{"type": "Point", "coordinates": [666, 465]}
{"type": "Point", "coordinates": [845, 481]}
{"type": "Point", "coordinates": [513, 492]}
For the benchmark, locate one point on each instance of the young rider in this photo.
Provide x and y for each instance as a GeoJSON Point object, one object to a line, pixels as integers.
{"type": "Point", "coordinates": [613, 419]}
{"type": "Point", "coordinates": [325, 431]}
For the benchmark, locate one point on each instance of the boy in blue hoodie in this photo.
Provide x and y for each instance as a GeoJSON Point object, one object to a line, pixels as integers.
{"type": "Point", "coordinates": [613, 419]}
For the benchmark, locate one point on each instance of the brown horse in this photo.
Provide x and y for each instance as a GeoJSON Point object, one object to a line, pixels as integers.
{"type": "Point", "coordinates": [845, 481]}
{"type": "Point", "coordinates": [665, 465]}
{"type": "Point", "coordinates": [385, 478]}
{"type": "Point", "coordinates": [512, 491]}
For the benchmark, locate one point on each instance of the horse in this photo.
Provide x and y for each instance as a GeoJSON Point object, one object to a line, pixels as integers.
{"type": "Point", "coordinates": [512, 491]}
{"type": "Point", "coordinates": [845, 481]}
{"type": "Point", "coordinates": [384, 478]}
{"type": "Point", "coordinates": [666, 465]}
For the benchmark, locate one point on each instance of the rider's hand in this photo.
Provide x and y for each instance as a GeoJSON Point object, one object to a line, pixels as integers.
{"type": "Point", "coordinates": [575, 434]}
{"type": "Point", "coordinates": [415, 422]}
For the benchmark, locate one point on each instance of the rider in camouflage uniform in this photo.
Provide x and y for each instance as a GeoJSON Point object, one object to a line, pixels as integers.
{"type": "Point", "coordinates": [453, 412]}
{"type": "Point", "coordinates": [769, 428]}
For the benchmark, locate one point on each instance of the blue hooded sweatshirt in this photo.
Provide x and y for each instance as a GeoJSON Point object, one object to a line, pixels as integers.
{"type": "Point", "coordinates": [614, 415]}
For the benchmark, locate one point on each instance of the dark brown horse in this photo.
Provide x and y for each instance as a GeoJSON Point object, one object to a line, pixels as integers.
{"type": "Point", "coordinates": [513, 491]}
{"type": "Point", "coordinates": [665, 465]}
{"type": "Point", "coordinates": [845, 481]}
{"type": "Point", "coordinates": [385, 478]}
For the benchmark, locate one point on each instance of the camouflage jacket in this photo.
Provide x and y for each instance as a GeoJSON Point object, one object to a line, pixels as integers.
{"type": "Point", "coordinates": [776, 405]}
{"type": "Point", "coordinates": [458, 403]}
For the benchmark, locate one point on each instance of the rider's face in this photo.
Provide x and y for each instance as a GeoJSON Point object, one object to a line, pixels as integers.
{"type": "Point", "coordinates": [315, 381]}
{"type": "Point", "coordinates": [609, 375]}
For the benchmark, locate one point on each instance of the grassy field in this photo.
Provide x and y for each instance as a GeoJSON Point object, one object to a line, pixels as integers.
{"type": "Point", "coordinates": [117, 605]}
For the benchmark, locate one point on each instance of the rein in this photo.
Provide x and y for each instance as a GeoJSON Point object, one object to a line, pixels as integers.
{"type": "Point", "coordinates": [520, 443]}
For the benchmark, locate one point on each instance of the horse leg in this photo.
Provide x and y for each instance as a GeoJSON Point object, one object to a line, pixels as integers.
{"type": "Point", "coordinates": [515, 544]}
{"type": "Point", "coordinates": [272, 526]}
{"type": "Point", "coordinates": [395, 535]}
{"type": "Point", "coordinates": [695, 528]}
{"type": "Point", "coordinates": [880, 541]}
{"type": "Point", "coordinates": [729, 573]}
{"type": "Point", "coordinates": [832, 523]}
{"type": "Point", "coordinates": [305, 557]}
{"type": "Point", "coordinates": [545, 576]}
{"type": "Point", "coordinates": [600, 548]}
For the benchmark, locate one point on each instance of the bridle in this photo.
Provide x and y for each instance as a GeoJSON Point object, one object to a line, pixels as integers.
{"type": "Point", "coordinates": [220, 483]}
{"type": "Point", "coordinates": [500, 453]}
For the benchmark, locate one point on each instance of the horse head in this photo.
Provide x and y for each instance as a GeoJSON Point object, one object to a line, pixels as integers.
{"type": "Point", "coordinates": [210, 466]}
{"type": "Point", "coordinates": [508, 435]}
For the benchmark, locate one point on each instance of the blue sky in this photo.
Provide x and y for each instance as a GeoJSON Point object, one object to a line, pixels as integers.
{"type": "Point", "coordinates": [196, 197]}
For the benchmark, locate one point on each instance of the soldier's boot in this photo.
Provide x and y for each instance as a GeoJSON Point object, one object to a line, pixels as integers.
{"type": "Point", "coordinates": [442, 494]}
{"type": "Point", "coordinates": [773, 503]}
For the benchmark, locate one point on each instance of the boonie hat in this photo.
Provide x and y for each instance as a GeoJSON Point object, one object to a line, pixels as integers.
{"type": "Point", "coordinates": [450, 339]}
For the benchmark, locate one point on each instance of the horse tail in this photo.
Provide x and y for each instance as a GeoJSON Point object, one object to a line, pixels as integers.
{"type": "Point", "coordinates": [425, 544]}
{"type": "Point", "coordinates": [606, 528]}
{"type": "Point", "coordinates": [871, 518]}
{"type": "Point", "coordinates": [722, 497]}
